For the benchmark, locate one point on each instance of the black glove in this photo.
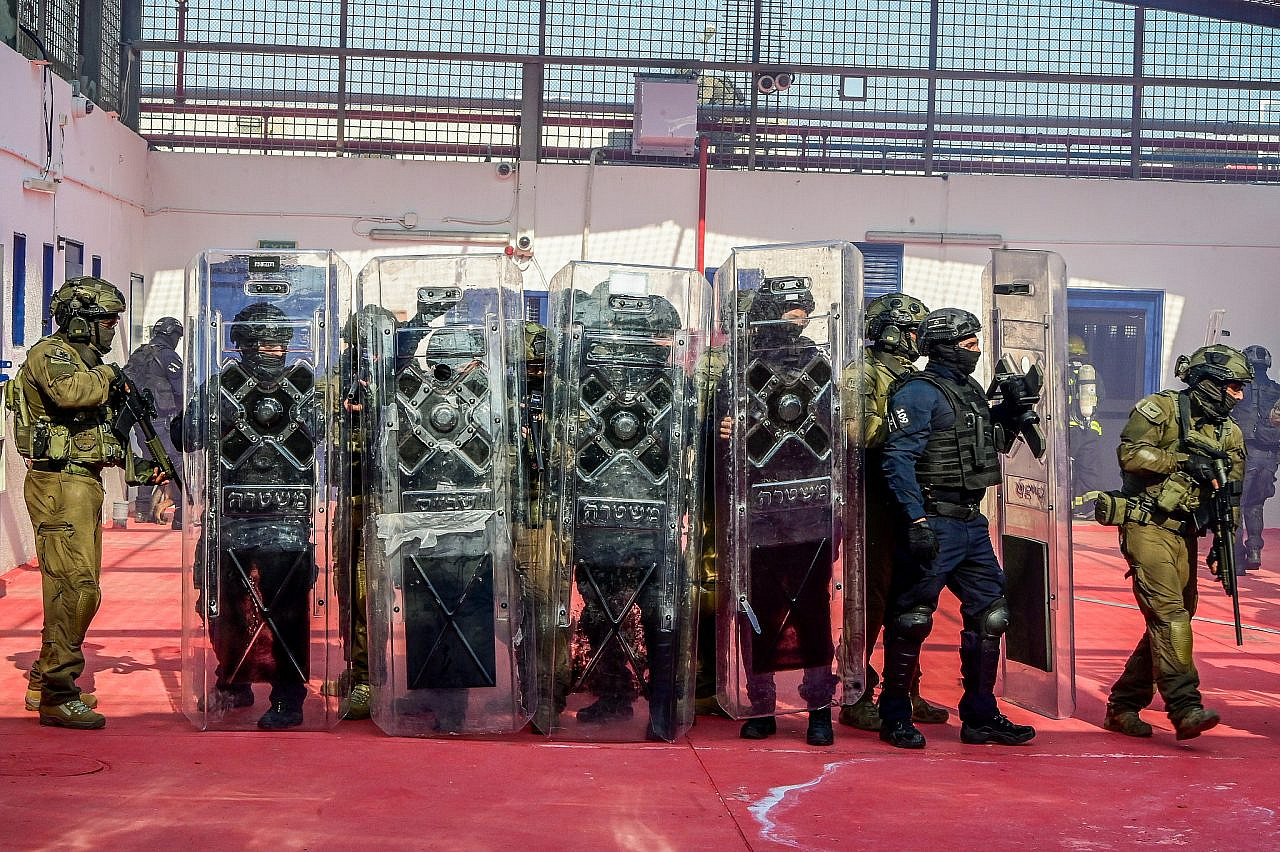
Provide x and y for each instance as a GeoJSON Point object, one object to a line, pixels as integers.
{"type": "Point", "coordinates": [922, 541]}
{"type": "Point", "coordinates": [117, 379]}
{"type": "Point", "coordinates": [1200, 468]}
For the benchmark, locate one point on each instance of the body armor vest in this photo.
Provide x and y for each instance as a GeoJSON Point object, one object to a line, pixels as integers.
{"type": "Point", "coordinates": [962, 457]}
{"type": "Point", "coordinates": [45, 432]}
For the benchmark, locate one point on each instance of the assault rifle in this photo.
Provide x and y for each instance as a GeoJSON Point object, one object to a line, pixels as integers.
{"type": "Point", "coordinates": [1018, 394]}
{"type": "Point", "coordinates": [138, 408]}
{"type": "Point", "coordinates": [1222, 521]}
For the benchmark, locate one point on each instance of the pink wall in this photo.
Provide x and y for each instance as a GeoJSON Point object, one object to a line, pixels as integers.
{"type": "Point", "coordinates": [100, 166]}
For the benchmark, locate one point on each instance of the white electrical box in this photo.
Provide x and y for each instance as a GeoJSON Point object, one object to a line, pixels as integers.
{"type": "Point", "coordinates": [666, 116]}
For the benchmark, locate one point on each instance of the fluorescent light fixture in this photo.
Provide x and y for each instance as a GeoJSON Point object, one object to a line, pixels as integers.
{"type": "Point", "coordinates": [416, 235]}
{"type": "Point", "coordinates": [937, 238]}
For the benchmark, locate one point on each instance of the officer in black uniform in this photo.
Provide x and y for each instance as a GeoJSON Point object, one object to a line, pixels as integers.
{"type": "Point", "coordinates": [156, 366]}
{"type": "Point", "coordinates": [940, 457]}
{"type": "Point", "coordinates": [264, 557]}
{"type": "Point", "coordinates": [1258, 416]}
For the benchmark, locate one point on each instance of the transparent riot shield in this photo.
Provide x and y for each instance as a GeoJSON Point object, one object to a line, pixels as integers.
{"type": "Point", "coordinates": [441, 383]}
{"type": "Point", "coordinates": [1025, 302]}
{"type": "Point", "coordinates": [259, 640]}
{"type": "Point", "coordinates": [622, 518]}
{"type": "Point", "coordinates": [789, 505]}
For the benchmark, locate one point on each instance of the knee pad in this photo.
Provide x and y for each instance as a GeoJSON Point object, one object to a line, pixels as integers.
{"type": "Point", "coordinates": [992, 622]}
{"type": "Point", "coordinates": [914, 624]}
{"type": "Point", "coordinates": [1180, 639]}
{"type": "Point", "coordinates": [88, 598]}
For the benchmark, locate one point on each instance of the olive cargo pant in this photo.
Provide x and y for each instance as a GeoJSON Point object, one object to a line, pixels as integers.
{"type": "Point", "coordinates": [66, 512]}
{"type": "Point", "coordinates": [1164, 585]}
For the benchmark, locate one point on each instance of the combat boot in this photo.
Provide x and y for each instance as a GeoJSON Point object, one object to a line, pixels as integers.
{"type": "Point", "coordinates": [1126, 722]}
{"type": "Point", "coordinates": [1253, 558]}
{"type": "Point", "coordinates": [996, 731]}
{"type": "Point", "coordinates": [72, 714]}
{"type": "Point", "coordinates": [759, 728]}
{"type": "Point", "coordinates": [358, 700]}
{"type": "Point", "coordinates": [863, 714]}
{"type": "Point", "coordinates": [901, 734]}
{"type": "Point", "coordinates": [820, 732]}
{"type": "Point", "coordinates": [32, 700]}
{"type": "Point", "coordinates": [1194, 722]}
{"type": "Point", "coordinates": [283, 714]}
{"type": "Point", "coordinates": [925, 713]}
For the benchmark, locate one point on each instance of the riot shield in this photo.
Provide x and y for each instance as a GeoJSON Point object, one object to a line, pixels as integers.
{"type": "Point", "coordinates": [257, 627]}
{"type": "Point", "coordinates": [789, 503]}
{"type": "Point", "coordinates": [1025, 302]}
{"type": "Point", "coordinates": [442, 379]}
{"type": "Point", "coordinates": [622, 534]}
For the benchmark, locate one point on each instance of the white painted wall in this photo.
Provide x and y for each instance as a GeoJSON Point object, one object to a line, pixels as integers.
{"type": "Point", "coordinates": [1208, 246]}
{"type": "Point", "coordinates": [101, 167]}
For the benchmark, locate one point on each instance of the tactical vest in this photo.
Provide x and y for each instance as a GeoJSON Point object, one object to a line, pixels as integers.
{"type": "Point", "coordinates": [962, 457]}
{"type": "Point", "coordinates": [80, 437]}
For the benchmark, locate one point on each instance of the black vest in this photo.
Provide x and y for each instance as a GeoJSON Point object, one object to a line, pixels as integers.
{"type": "Point", "coordinates": [962, 457]}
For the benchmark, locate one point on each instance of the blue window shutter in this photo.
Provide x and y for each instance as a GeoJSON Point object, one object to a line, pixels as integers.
{"type": "Point", "coordinates": [881, 268]}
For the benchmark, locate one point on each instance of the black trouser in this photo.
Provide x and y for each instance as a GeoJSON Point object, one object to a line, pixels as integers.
{"type": "Point", "coordinates": [966, 564]}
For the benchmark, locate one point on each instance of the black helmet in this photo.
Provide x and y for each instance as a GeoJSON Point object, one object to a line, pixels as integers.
{"type": "Point", "coordinates": [947, 325]}
{"type": "Point", "coordinates": [1258, 356]}
{"type": "Point", "coordinates": [255, 325]}
{"type": "Point", "coordinates": [261, 322]}
{"type": "Point", "coordinates": [891, 318]}
{"type": "Point", "coordinates": [167, 332]}
{"type": "Point", "coordinates": [363, 322]}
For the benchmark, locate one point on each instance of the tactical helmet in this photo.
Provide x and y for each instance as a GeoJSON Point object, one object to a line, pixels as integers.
{"type": "Point", "coordinates": [455, 345]}
{"type": "Point", "coordinates": [1259, 356]}
{"type": "Point", "coordinates": [603, 308]}
{"type": "Point", "coordinates": [1207, 373]}
{"type": "Point", "coordinates": [261, 322]}
{"type": "Point", "coordinates": [167, 326]}
{"type": "Point", "coordinates": [79, 306]}
{"type": "Point", "coordinates": [1219, 362]}
{"type": "Point", "coordinates": [535, 342]}
{"type": "Point", "coordinates": [891, 318]}
{"type": "Point", "coordinates": [947, 325]}
{"type": "Point", "coordinates": [362, 322]}
{"type": "Point", "coordinates": [1076, 346]}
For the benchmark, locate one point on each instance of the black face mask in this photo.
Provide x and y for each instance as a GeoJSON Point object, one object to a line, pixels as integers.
{"type": "Point", "coordinates": [1213, 399]}
{"type": "Point", "coordinates": [168, 341]}
{"type": "Point", "coordinates": [263, 365]}
{"type": "Point", "coordinates": [965, 361]}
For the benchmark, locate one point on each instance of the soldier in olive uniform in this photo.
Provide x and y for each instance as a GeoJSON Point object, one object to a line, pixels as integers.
{"type": "Point", "coordinates": [157, 367]}
{"type": "Point", "coordinates": [891, 322]}
{"type": "Point", "coordinates": [64, 399]}
{"type": "Point", "coordinates": [1167, 456]}
{"type": "Point", "coordinates": [1259, 419]}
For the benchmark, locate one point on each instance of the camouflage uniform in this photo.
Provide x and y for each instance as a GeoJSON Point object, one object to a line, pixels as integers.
{"type": "Point", "coordinates": [63, 401]}
{"type": "Point", "coordinates": [1165, 484]}
{"type": "Point", "coordinates": [890, 325]}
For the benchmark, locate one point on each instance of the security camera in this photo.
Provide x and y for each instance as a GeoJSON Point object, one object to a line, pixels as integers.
{"type": "Point", "coordinates": [81, 106]}
{"type": "Point", "coordinates": [504, 170]}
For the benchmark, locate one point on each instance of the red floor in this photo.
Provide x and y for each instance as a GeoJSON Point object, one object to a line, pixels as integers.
{"type": "Point", "coordinates": [148, 781]}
